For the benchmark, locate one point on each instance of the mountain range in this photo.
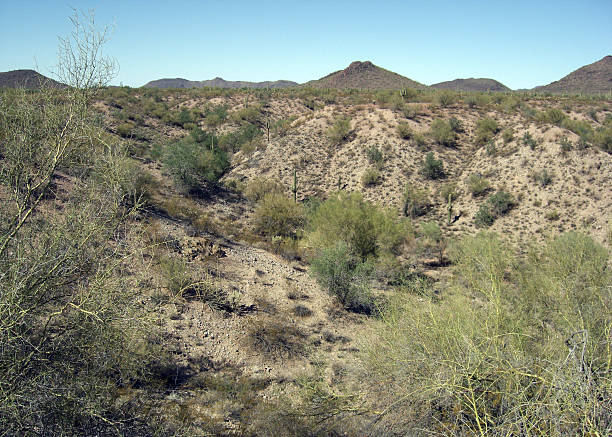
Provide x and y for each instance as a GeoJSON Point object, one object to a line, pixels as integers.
{"type": "Point", "coordinates": [595, 78]}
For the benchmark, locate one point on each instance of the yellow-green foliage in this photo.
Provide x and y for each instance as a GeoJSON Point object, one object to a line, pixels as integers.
{"type": "Point", "coordinates": [404, 131]}
{"type": "Point", "coordinates": [367, 229]}
{"type": "Point", "coordinates": [277, 215]}
{"type": "Point", "coordinates": [519, 346]}
{"type": "Point", "coordinates": [370, 176]}
{"type": "Point", "coordinates": [340, 130]}
{"type": "Point", "coordinates": [486, 128]}
{"type": "Point", "coordinates": [442, 133]}
{"type": "Point", "coordinates": [259, 187]}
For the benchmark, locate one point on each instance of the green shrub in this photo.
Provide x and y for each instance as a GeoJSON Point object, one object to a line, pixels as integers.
{"type": "Point", "coordinates": [411, 112]}
{"type": "Point", "coordinates": [508, 135]}
{"type": "Point", "coordinates": [552, 215]}
{"type": "Point", "coordinates": [125, 130]}
{"type": "Point", "coordinates": [368, 230]}
{"type": "Point", "coordinates": [347, 277]}
{"type": "Point", "coordinates": [257, 188]}
{"type": "Point", "coordinates": [431, 167]}
{"type": "Point", "coordinates": [530, 333]}
{"type": "Point", "coordinates": [445, 98]}
{"type": "Point", "coordinates": [370, 176]}
{"type": "Point", "coordinates": [542, 177]}
{"type": "Point", "coordinates": [251, 114]}
{"type": "Point", "coordinates": [528, 140]}
{"type": "Point", "coordinates": [374, 155]}
{"type": "Point", "coordinates": [415, 200]}
{"type": "Point", "coordinates": [431, 241]}
{"type": "Point", "coordinates": [496, 205]}
{"type": "Point", "coordinates": [581, 128]}
{"type": "Point", "coordinates": [566, 145]}
{"type": "Point", "coordinates": [340, 130]}
{"type": "Point", "coordinates": [442, 133]}
{"type": "Point", "coordinates": [501, 202]}
{"type": "Point", "coordinates": [484, 217]}
{"type": "Point", "coordinates": [486, 128]}
{"type": "Point", "coordinates": [245, 135]}
{"type": "Point", "coordinates": [449, 190]}
{"type": "Point", "coordinates": [603, 139]}
{"type": "Point", "coordinates": [193, 164]}
{"type": "Point", "coordinates": [419, 139]}
{"type": "Point", "coordinates": [455, 124]}
{"type": "Point", "coordinates": [552, 116]}
{"type": "Point", "coordinates": [277, 215]}
{"type": "Point", "coordinates": [404, 131]}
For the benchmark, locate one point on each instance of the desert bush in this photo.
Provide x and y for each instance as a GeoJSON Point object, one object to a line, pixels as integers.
{"type": "Point", "coordinates": [125, 129]}
{"type": "Point", "coordinates": [419, 139]}
{"type": "Point", "coordinates": [486, 128]}
{"type": "Point", "coordinates": [566, 145]}
{"type": "Point", "coordinates": [484, 217]}
{"type": "Point", "coordinates": [581, 128]}
{"type": "Point", "coordinates": [508, 135]}
{"type": "Point", "coordinates": [72, 332]}
{"type": "Point", "coordinates": [370, 176]}
{"type": "Point", "coordinates": [501, 202]}
{"type": "Point", "coordinates": [442, 132]}
{"type": "Point", "coordinates": [258, 187]}
{"type": "Point", "coordinates": [449, 190]}
{"type": "Point", "coordinates": [339, 131]}
{"type": "Point", "coordinates": [277, 215]}
{"type": "Point", "coordinates": [404, 131]}
{"type": "Point", "coordinates": [367, 230]}
{"type": "Point", "coordinates": [542, 177]}
{"type": "Point", "coordinates": [430, 240]}
{"type": "Point", "coordinates": [233, 141]}
{"type": "Point", "coordinates": [302, 311]}
{"type": "Point", "coordinates": [346, 276]}
{"type": "Point", "coordinates": [552, 215]}
{"type": "Point", "coordinates": [497, 204]}
{"type": "Point", "coordinates": [411, 112]}
{"type": "Point", "coordinates": [249, 115]}
{"type": "Point", "coordinates": [552, 116]}
{"type": "Point", "coordinates": [277, 340]}
{"type": "Point", "coordinates": [536, 344]}
{"type": "Point", "coordinates": [416, 201]}
{"type": "Point", "coordinates": [431, 167]}
{"type": "Point", "coordinates": [603, 139]}
{"type": "Point", "coordinates": [375, 156]}
{"type": "Point", "coordinates": [445, 98]}
{"type": "Point", "coordinates": [455, 124]}
{"type": "Point", "coordinates": [193, 164]}
{"type": "Point", "coordinates": [528, 140]}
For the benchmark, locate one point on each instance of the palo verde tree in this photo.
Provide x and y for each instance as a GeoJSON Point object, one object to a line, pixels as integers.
{"type": "Point", "coordinates": [69, 328]}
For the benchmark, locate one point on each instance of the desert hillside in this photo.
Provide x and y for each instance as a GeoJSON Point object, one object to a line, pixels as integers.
{"type": "Point", "coordinates": [26, 79]}
{"type": "Point", "coordinates": [216, 83]}
{"type": "Point", "coordinates": [595, 78]}
{"type": "Point", "coordinates": [364, 75]}
{"type": "Point", "coordinates": [481, 84]}
{"type": "Point", "coordinates": [279, 261]}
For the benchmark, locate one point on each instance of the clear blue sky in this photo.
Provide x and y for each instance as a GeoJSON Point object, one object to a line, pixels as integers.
{"type": "Point", "coordinates": [522, 43]}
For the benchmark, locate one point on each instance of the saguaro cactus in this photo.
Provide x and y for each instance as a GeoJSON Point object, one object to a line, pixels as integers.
{"type": "Point", "coordinates": [295, 186]}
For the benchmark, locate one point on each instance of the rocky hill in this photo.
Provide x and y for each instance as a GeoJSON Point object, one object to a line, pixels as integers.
{"type": "Point", "coordinates": [595, 78]}
{"type": "Point", "coordinates": [217, 82]}
{"type": "Point", "coordinates": [26, 79]}
{"type": "Point", "coordinates": [364, 75]}
{"type": "Point", "coordinates": [471, 84]}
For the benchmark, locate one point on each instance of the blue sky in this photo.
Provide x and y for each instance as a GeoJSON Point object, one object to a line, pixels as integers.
{"type": "Point", "coordinates": [522, 43]}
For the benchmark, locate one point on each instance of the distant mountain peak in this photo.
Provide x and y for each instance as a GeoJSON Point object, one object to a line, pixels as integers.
{"type": "Point", "coordinates": [364, 75]}
{"type": "Point", "coordinates": [472, 84]}
{"type": "Point", "coordinates": [595, 78]}
{"type": "Point", "coordinates": [26, 79]}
